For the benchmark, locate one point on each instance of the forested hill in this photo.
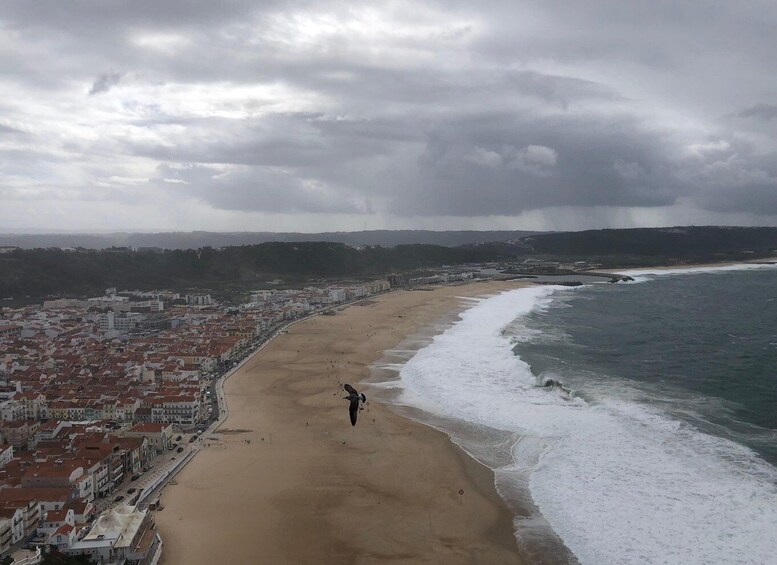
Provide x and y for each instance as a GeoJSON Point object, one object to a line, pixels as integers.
{"type": "Point", "coordinates": [41, 272]}
{"type": "Point", "coordinates": [677, 242]}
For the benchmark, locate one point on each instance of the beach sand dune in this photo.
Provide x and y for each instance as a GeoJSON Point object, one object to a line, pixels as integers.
{"type": "Point", "coordinates": [309, 487]}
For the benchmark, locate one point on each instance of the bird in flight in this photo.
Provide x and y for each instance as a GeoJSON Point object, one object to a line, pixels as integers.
{"type": "Point", "coordinates": [354, 397]}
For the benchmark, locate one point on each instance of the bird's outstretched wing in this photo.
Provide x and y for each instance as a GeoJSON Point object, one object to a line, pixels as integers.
{"type": "Point", "coordinates": [353, 411]}
{"type": "Point", "coordinates": [350, 389]}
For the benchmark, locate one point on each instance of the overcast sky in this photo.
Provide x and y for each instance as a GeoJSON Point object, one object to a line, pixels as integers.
{"type": "Point", "coordinates": [312, 116]}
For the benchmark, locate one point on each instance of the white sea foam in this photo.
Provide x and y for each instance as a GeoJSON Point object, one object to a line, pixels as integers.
{"type": "Point", "coordinates": [641, 275]}
{"type": "Point", "coordinates": [619, 482]}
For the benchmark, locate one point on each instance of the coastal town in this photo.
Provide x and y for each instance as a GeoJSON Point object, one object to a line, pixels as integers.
{"type": "Point", "coordinates": [104, 399]}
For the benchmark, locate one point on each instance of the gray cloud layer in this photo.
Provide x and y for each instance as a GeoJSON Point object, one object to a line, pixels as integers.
{"type": "Point", "coordinates": [759, 111]}
{"type": "Point", "coordinates": [217, 113]}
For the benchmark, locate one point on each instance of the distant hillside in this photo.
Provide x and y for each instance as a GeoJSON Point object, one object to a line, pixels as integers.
{"type": "Point", "coordinates": [677, 242]}
{"type": "Point", "coordinates": [42, 272]}
{"type": "Point", "coordinates": [197, 239]}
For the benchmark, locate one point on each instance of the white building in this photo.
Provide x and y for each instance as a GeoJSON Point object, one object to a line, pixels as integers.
{"type": "Point", "coordinates": [182, 409]}
{"type": "Point", "coordinates": [199, 299]}
{"type": "Point", "coordinates": [356, 291]}
{"type": "Point", "coordinates": [337, 294]}
{"type": "Point", "coordinates": [15, 518]}
{"type": "Point", "coordinates": [63, 537]}
{"type": "Point", "coordinates": [54, 519]}
{"type": "Point", "coordinates": [261, 296]}
{"type": "Point", "coordinates": [108, 301]}
{"type": "Point", "coordinates": [105, 321]}
{"type": "Point", "coordinates": [6, 534]}
{"type": "Point", "coordinates": [120, 535]}
{"type": "Point", "coordinates": [6, 454]}
{"type": "Point", "coordinates": [121, 323]}
{"type": "Point", "coordinates": [158, 434]}
{"type": "Point", "coordinates": [12, 411]}
{"type": "Point", "coordinates": [125, 323]}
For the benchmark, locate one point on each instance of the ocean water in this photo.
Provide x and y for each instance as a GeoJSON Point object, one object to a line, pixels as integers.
{"type": "Point", "coordinates": [659, 447]}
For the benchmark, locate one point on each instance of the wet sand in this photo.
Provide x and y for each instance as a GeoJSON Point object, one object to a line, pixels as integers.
{"type": "Point", "coordinates": [309, 487]}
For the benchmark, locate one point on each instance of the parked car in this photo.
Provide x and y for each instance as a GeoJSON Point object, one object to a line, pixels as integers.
{"type": "Point", "coordinates": [130, 491]}
{"type": "Point", "coordinates": [179, 450]}
{"type": "Point", "coordinates": [178, 438]}
{"type": "Point", "coordinates": [135, 477]}
{"type": "Point", "coordinates": [192, 439]}
{"type": "Point", "coordinates": [118, 498]}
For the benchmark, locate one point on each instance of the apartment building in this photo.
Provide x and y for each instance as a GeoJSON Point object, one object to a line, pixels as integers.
{"type": "Point", "coordinates": [11, 526]}
{"type": "Point", "coordinates": [158, 434]}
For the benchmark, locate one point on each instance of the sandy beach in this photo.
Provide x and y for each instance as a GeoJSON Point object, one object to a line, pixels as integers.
{"type": "Point", "coordinates": [287, 479]}
{"type": "Point", "coordinates": [762, 261]}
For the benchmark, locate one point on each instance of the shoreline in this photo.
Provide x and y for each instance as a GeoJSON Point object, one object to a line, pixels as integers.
{"type": "Point", "coordinates": [344, 499]}
{"type": "Point", "coordinates": [697, 266]}
{"type": "Point", "coordinates": [385, 490]}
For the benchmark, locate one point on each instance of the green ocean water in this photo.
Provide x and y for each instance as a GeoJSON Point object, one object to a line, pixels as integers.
{"type": "Point", "coordinates": [702, 347]}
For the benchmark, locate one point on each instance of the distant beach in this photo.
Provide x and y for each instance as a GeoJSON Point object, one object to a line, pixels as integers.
{"type": "Point", "coordinates": [287, 479]}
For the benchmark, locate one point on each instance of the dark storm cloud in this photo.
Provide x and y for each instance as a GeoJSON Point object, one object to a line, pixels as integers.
{"type": "Point", "coordinates": [507, 164]}
{"type": "Point", "coordinates": [735, 180]}
{"type": "Point", "coordinates": [428, 108]}
{"type": "Point", "coordinates": [104, 83]}
{"type": "Point", "coordinates": [752, 192]}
